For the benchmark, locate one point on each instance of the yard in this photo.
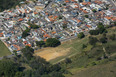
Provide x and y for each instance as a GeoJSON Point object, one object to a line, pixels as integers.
{"type": "Point", "coordinates": [4, 51]}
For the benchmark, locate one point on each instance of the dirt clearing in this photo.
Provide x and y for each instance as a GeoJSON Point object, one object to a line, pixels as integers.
{"type": "Point", "coordinates": [52, 53]}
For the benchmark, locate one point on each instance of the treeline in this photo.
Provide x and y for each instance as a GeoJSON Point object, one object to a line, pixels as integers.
{"type": "Point", "coordinates": [7, 4]}
{"type": "Point", "coordinates": [50, 42]}
{"type": "Point", "coordinates": [101, 29]}
{"type": "Point", "coordinates": [28, 65]}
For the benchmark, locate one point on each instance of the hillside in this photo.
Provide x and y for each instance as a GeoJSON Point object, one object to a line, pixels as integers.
{"type": "Point", "coordinates": [91, 56]}
{"type": "Point", "coordinates": [4, 51]}
{"type": "Point", "coordinates": [85, 61]}
{"type": "Point", "coordinates": [6, 4]}
{"type": "Point", "coordinates": [105, 70]}
{"type": "Point", "coordinates": [95, 60]}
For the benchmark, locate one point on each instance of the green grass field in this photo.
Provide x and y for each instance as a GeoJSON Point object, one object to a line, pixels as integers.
{"type": "Point", "coordinates": [4, 51]}
{"type": "Point", "coordinates": [75, 45]}
{"type": "Point", "coordinates": [87, 63]}
{"type": "Point", "coordinates": [105, 70]}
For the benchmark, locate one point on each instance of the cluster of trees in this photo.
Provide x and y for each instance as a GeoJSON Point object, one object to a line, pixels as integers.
{"type": "Point", "coordinates": [81, 35]}
{"type": "Point", "coordinates": [50, 42]}
{"type": "Point", "coordinates": [100, 29]}
{"type": "Point", "coordinates": [94, 10]}
{"type": "Point", "coordinates": [92, 40]}
{"type": "Point", "coordinates": [8, 68]}
{"type": "Point", "coordinates": [38, 67]}
{"type": "Point", "coordinates": [25, 33]}
{"type": "Point", "coordinates": [103, 39]}
{"type": "Point", "coordinates": [112, 37]}
{"type": "Point", "coordinates": [6, 4]}
{"type": "Point", "coordinates": [86, 16]}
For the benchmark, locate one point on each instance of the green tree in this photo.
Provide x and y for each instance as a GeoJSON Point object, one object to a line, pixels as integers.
{"type": "Point", "coordinates": [25, 33]}
{"type": "Point", "coordinates": [64, 26]}
{"type": "Point", "coordinates": [112, 37]}
{"type": "Point", "coordinates": [86, 16]}
{"type": "Point", "coordinates": [8, 68]}
{"type": "Point", "coordinates": [94, 10]}
{"type": "Point", "coordinates": [40, 43]}
{"type": "Point", "coordinates": [6, 4]}
{"type": "Point", "coordinates": [28, 52]}
{"type": "Point", "coordinates": [103, 40]}
{"type": "Point", "coordinates": [80, 0]}
{"type": "Point", "coordinates": [92, 40]}
{"type": "Point", "coordinates": [84, 46]}
{"type": "Point", "coordinates": [52, 42]}
{"type": "Point", "coordinates": [15, 52]}
{"type": "Point", "coordinates": [19, 74]}
{"type": "Point", "coordinates": [68, 60]}
{"type": "Point", "coordinates": [101, 28]}
{"type": "Point", "coordinates": [81, 35]}
{"type": "Point", "coordinates": [94, 32]}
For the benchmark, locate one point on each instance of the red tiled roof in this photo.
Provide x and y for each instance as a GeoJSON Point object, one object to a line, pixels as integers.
{"type": "Point", "coordinates": [20, 19]}
{"type": "Point", "coordinates": [67, 1]}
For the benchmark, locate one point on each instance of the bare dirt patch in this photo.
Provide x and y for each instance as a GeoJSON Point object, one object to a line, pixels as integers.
{"type": "Point", "coordinates": [52, 53]}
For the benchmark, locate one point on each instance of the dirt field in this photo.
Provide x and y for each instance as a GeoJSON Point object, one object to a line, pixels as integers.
{"type": "Point", "coordinates": [52, 53]}
{"type": "Point", "coordinates": [66, 49]}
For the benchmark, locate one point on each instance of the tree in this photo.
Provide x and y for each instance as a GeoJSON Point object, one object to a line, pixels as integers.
{"type": "Point", "coordinates": [55, 67]}
{"type": "Point", "coordinates": [40, 43]}
{"type": "Point", "coordinates": [25, 33]}
{"type": "Point", "coordinates": [86, 16]}
{"type": "Point", "coordinates": [64, 26]}
{"type": "Point", "coordinates": [103, 40]}
{"type": "Point", "coordinates": [15, 52]}
{"type": "Point", "coordinates": [80, 0]}
{"type": "Point", "coordinates": [68, 60]}
{"type": "Point", "coordinates": [8, 68]}
{"type": "Point", "coordinates": [28, 52]}
{"type": "Point", "coordinates": [6, 4]}
{"type": "Point", "coordinates": [84, 46]}
{"type": "Point", "coordinates": [92, 40]}
{"type": "Point", "coordinates": [18, 74]}
{"type": "Point", "coordinates": [81, 35]}
{"type": "Point", "coordinates": [52, 42]}
{"type": "Point", "coordinates": [60, 17]}
{"type": "Point", "coordinates": [94, 32]}
{"type": "Point", "coordinates": [101, 28]}
{"type": "Point", "coordinates": [94, 10]}
{"type": "Point", "coordinates": [112, 37]}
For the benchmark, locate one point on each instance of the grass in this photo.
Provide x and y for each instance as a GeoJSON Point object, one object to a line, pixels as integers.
{"type": "Point", "coordinates": [76, 47]}
{"type": "Point", "coordinates": [88, 48]}
{"type": "Point", "coordinates": [89, 64]}
{"type": "Point", "coordinates": [4, 51]}
{"type": "Point", "coordinates": [105, 70]}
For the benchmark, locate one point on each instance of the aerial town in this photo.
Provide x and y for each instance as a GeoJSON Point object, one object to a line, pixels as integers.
{"type": "Point", "coordinates": [61, 19]}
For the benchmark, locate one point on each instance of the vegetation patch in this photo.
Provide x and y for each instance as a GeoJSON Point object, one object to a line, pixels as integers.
{"type": "Point", "coordinates": [4, 51]}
